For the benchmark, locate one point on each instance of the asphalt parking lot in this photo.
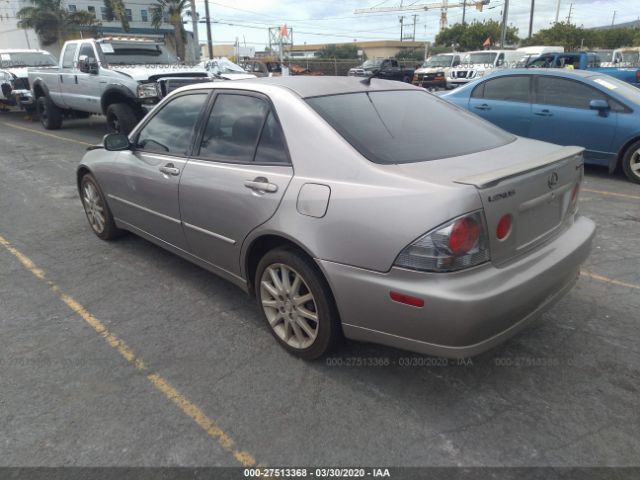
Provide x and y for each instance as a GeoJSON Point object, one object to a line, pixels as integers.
{"type": "Point", "coordinates": [121, 354]}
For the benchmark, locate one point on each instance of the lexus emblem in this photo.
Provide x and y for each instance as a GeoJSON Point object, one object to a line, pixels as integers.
{"type": "Point", "coordinates": [553, 180]}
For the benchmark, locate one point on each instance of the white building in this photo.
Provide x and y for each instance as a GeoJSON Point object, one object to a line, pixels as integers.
{"type": "Point", "coordinates": [10, 35]}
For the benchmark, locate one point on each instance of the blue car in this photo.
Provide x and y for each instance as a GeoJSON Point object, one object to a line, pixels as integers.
{"type": "Point", "coordinates": [591, 110]}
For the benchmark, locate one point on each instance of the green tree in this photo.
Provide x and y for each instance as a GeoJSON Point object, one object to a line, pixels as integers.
{"type": "Point", "coordinates": [114, 10]}
{"type": "Point", "coordinates": [566, 35]}
{"type": "Point", "coordinates": [471, 36]}
{"type": "Point", "coordinates": [346, 51]}
{"type": "Point", "coordinates": [415, 54]}
{"type": "Point", "coordinates": [52, 22]}
{"type": "Point", "coordinates": [173, 11]}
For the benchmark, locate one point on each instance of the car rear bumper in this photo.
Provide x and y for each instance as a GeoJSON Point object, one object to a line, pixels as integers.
{"type": "Point", "coordinates": [464, 313]}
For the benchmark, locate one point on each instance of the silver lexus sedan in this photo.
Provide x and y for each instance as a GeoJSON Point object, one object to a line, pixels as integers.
{"type": "Point", "coordinates": [368, 209]}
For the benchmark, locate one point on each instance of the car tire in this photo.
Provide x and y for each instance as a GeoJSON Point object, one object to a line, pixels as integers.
{"type": "Point", "coordinates": [121, 118]}
{"type": "Point", "coordinates": [631, 162]}
{"type": "Point", "coordinates": [297, 278]}
{"type": "Point", "coordinates": [97, 210]}
{"type": "Point", "coordinates": [49, 114]}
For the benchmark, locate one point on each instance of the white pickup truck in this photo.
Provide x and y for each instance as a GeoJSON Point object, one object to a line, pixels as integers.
{"type": "Point", "coordinates": [14, 81]}
{"type": "Point", "coordinates": [120, 77]}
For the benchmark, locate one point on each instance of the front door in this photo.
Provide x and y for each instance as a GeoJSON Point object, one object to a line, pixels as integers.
{"type": "Point", "coordinates": [561, 114]}
{"type": "Point", "coordinates": [146, 196]}
{"type": "Point", "coordinates": [236, 178]}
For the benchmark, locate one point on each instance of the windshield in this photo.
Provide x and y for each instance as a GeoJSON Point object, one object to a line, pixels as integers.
{"type": "Point", "coordinates": [624, 89]}
{"type": "Point", "coordinates": [438, 61]}
{"type": "Point", "coordinates": [383, 128]}
{"type": "Point", "coordinates": [372, 63]}
{"type": "Point", "coordinates": [480, 58]}
{"type": "Point", "coordinates": [135, 54]}
{"type": "Point", "coordinates": [26, 59]}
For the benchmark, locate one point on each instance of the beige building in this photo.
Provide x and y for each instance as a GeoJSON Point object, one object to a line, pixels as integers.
{"type": "Point", "coordinates": [373, 49]}
{"type": "Point", "coordinates": [226, 50]}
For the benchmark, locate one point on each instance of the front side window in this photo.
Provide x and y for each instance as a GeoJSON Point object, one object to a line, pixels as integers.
{"type": "Point", "coordinates": [508, 89]}
{"type": "Point", "coordinates": [170, 131]}
{"type": "Point", "coordinates": [69, 55]}
{"type": "Point", "coordinates": [233, 128]}
{"type": "Point", "coordinates": [565, 93]}
{"type": "Point", "coordinates": [382, 127]}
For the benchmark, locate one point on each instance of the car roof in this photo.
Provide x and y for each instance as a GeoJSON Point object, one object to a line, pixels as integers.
{"type": "Point", "coordinates": [309, 86]}
{"type": "Point", "coordinates": [558, 72]}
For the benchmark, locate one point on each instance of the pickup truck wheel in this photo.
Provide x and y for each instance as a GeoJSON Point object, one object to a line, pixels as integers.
{"type": "Point", "coordinates": [121, 118]}
{"type": "Point", "coordinates": [50, 115]}
{"type": "Point", "coordinates": [631, 162]}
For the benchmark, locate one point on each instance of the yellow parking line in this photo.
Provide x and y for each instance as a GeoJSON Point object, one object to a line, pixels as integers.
{"type": "Point", "coordinates": [611, 281]}
{"type": "Point", "coordinates": [612, 194]}
{"type": "Point", "coordinates": [171, 393]}
{"type": "Point", "coordinates": [57, 137]}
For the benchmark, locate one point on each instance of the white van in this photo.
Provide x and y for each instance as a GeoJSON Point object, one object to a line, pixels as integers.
{"type": "Point", "coordinates": [476, 64]}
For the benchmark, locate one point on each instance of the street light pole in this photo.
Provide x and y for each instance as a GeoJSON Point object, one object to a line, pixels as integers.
{"type": "Point", "coordinates": [505, 16]}
{"type": "Point", "coordinates": [209, 40]}
{"type": "Point", "coordinates": [533, 7]}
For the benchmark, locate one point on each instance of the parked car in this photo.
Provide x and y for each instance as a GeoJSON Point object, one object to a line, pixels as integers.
{"type": "Point", "coordinates": [443, 240]}
{"type": "Point", "coordinates": [387, 69]}
{"type": "Point", "coordinates": [224, 69]}
{"type": "Point", "coordinates": [121, 77]}
{"type": "Point", "coordinates": [626, 57]}
{"type": "Point", "coordinates": [566, 107]}
{"type": "Point", "coordinates": [263, 69]}
{"type": "Point", "coordinates": [434, 71]}
{"type": "Point", "coordinates": [14, 81]}
{"type": "Point", "coordinates": [535, 51]}
{"type": "Point", "coordinates": [605, 57]}
{"type": "Point", "coordinates": [477, 64]}
{"type": "Point", "coordinates": [585, 61]}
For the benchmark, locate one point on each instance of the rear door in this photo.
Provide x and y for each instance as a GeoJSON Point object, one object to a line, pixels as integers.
{"type": "Point", "coordinates": [561, 114]}
{"type": "Point", "coordinates": [236, 178]}
{"type": "Point", "coordinates": [144, 194]}
{"type": "Point", "coordinates": [504, 101]}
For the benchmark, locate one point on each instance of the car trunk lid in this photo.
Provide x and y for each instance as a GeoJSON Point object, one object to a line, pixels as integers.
{"type": "Point", "coordinates": [536, 193]}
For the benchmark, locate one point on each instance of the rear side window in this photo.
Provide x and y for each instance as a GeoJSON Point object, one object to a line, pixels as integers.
{"type": "Point", "coordinates": [508, 89]}
{"type": "Point", "coordinates": [565, 93]}
{"type": "Point", "coordinates": [69, 54]}
{"type": "Point", "coordinates": [382, 126]}
{"type": "Point", "coordinates": [242, 128]}
{"type": "Point", "coordinates": [170, 130]}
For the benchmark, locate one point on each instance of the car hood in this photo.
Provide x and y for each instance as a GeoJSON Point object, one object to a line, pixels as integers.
{"type": "Point", "coordinates": [236, 76]}
{"type": "Point", "coordinates": [143, 72]}
{"type": "Point", "coordinates": [21, 72]}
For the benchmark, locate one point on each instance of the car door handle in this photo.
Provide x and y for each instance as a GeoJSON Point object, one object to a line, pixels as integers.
{"type": "Point", "coordinates": [261, 184]}
{"type": "Point", "coordinates": [169, 169]}
{"type": "Point", "coordinates": [484, 106]}
{"type": "Point", "coordinates": [544, 113]}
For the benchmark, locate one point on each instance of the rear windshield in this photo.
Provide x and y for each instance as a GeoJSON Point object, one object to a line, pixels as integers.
{"type": "Point", "coordinates": [407, 126]}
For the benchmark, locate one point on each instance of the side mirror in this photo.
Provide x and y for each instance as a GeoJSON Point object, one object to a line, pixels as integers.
{"type": "Point", "coordinates": [602, 106]}
{"type": "Point", "coordinates": [115, 142]}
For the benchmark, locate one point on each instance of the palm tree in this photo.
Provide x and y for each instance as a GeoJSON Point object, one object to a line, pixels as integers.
{"type": "Point", "coordinates": [174, 11]}
{"type": "Point", "coordinates": [115, 11]}
{"type": "Point", "coordinates": [52, 22]}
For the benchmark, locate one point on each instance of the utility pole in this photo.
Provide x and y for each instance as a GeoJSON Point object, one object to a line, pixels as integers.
{"type": "Point", "coordinates": [613, 20]}
{"type": "Point", "coordinates": [208, 20]}
{"type": "Point", "coordinates": [570, 12]}
{"type": "Point", "coordinates": [557, 11]}
{"type": "Point", "coordinates": [194, 26]}
{"type": "Point", "coordinates": [415, 17]}
{"type": "Point", "coordinates": [533, 7]}
{"type": "Point", "coordinates": [464, 11]}
{"type": "Point", "coordinates": [401, 27]}
{"type": "Point", "coordinates": [505, 16]}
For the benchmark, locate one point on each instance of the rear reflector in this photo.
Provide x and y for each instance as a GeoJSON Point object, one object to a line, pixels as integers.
{"type": "Point", "coordinates": [406, 299]}
{"type": "Point", "coordinates": [504, 227]}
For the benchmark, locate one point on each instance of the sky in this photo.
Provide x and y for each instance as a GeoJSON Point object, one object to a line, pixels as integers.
{"type": "Point", "coordinates": [331, 21]}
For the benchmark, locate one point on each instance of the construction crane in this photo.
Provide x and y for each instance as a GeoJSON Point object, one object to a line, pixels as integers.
{"type": "Point", "coordinates": [443, 6]}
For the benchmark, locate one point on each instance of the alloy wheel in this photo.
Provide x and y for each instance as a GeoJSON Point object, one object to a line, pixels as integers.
{"type": "Point", "coordinates": [289, 306]}
{"type": "Point", "coordinates": [93, 207]}
{"type": "Point", "coordinates": [634, 163]}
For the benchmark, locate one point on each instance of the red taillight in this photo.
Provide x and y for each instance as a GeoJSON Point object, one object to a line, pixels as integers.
{"type": "Point", "coordinates": [406, 299]}
{"type": "Point", "coordinates": [638, 75]}
{"type": "Point", "coordinates": [504, 227]}
{"type": "Point", "coordinates": [464, 235]}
